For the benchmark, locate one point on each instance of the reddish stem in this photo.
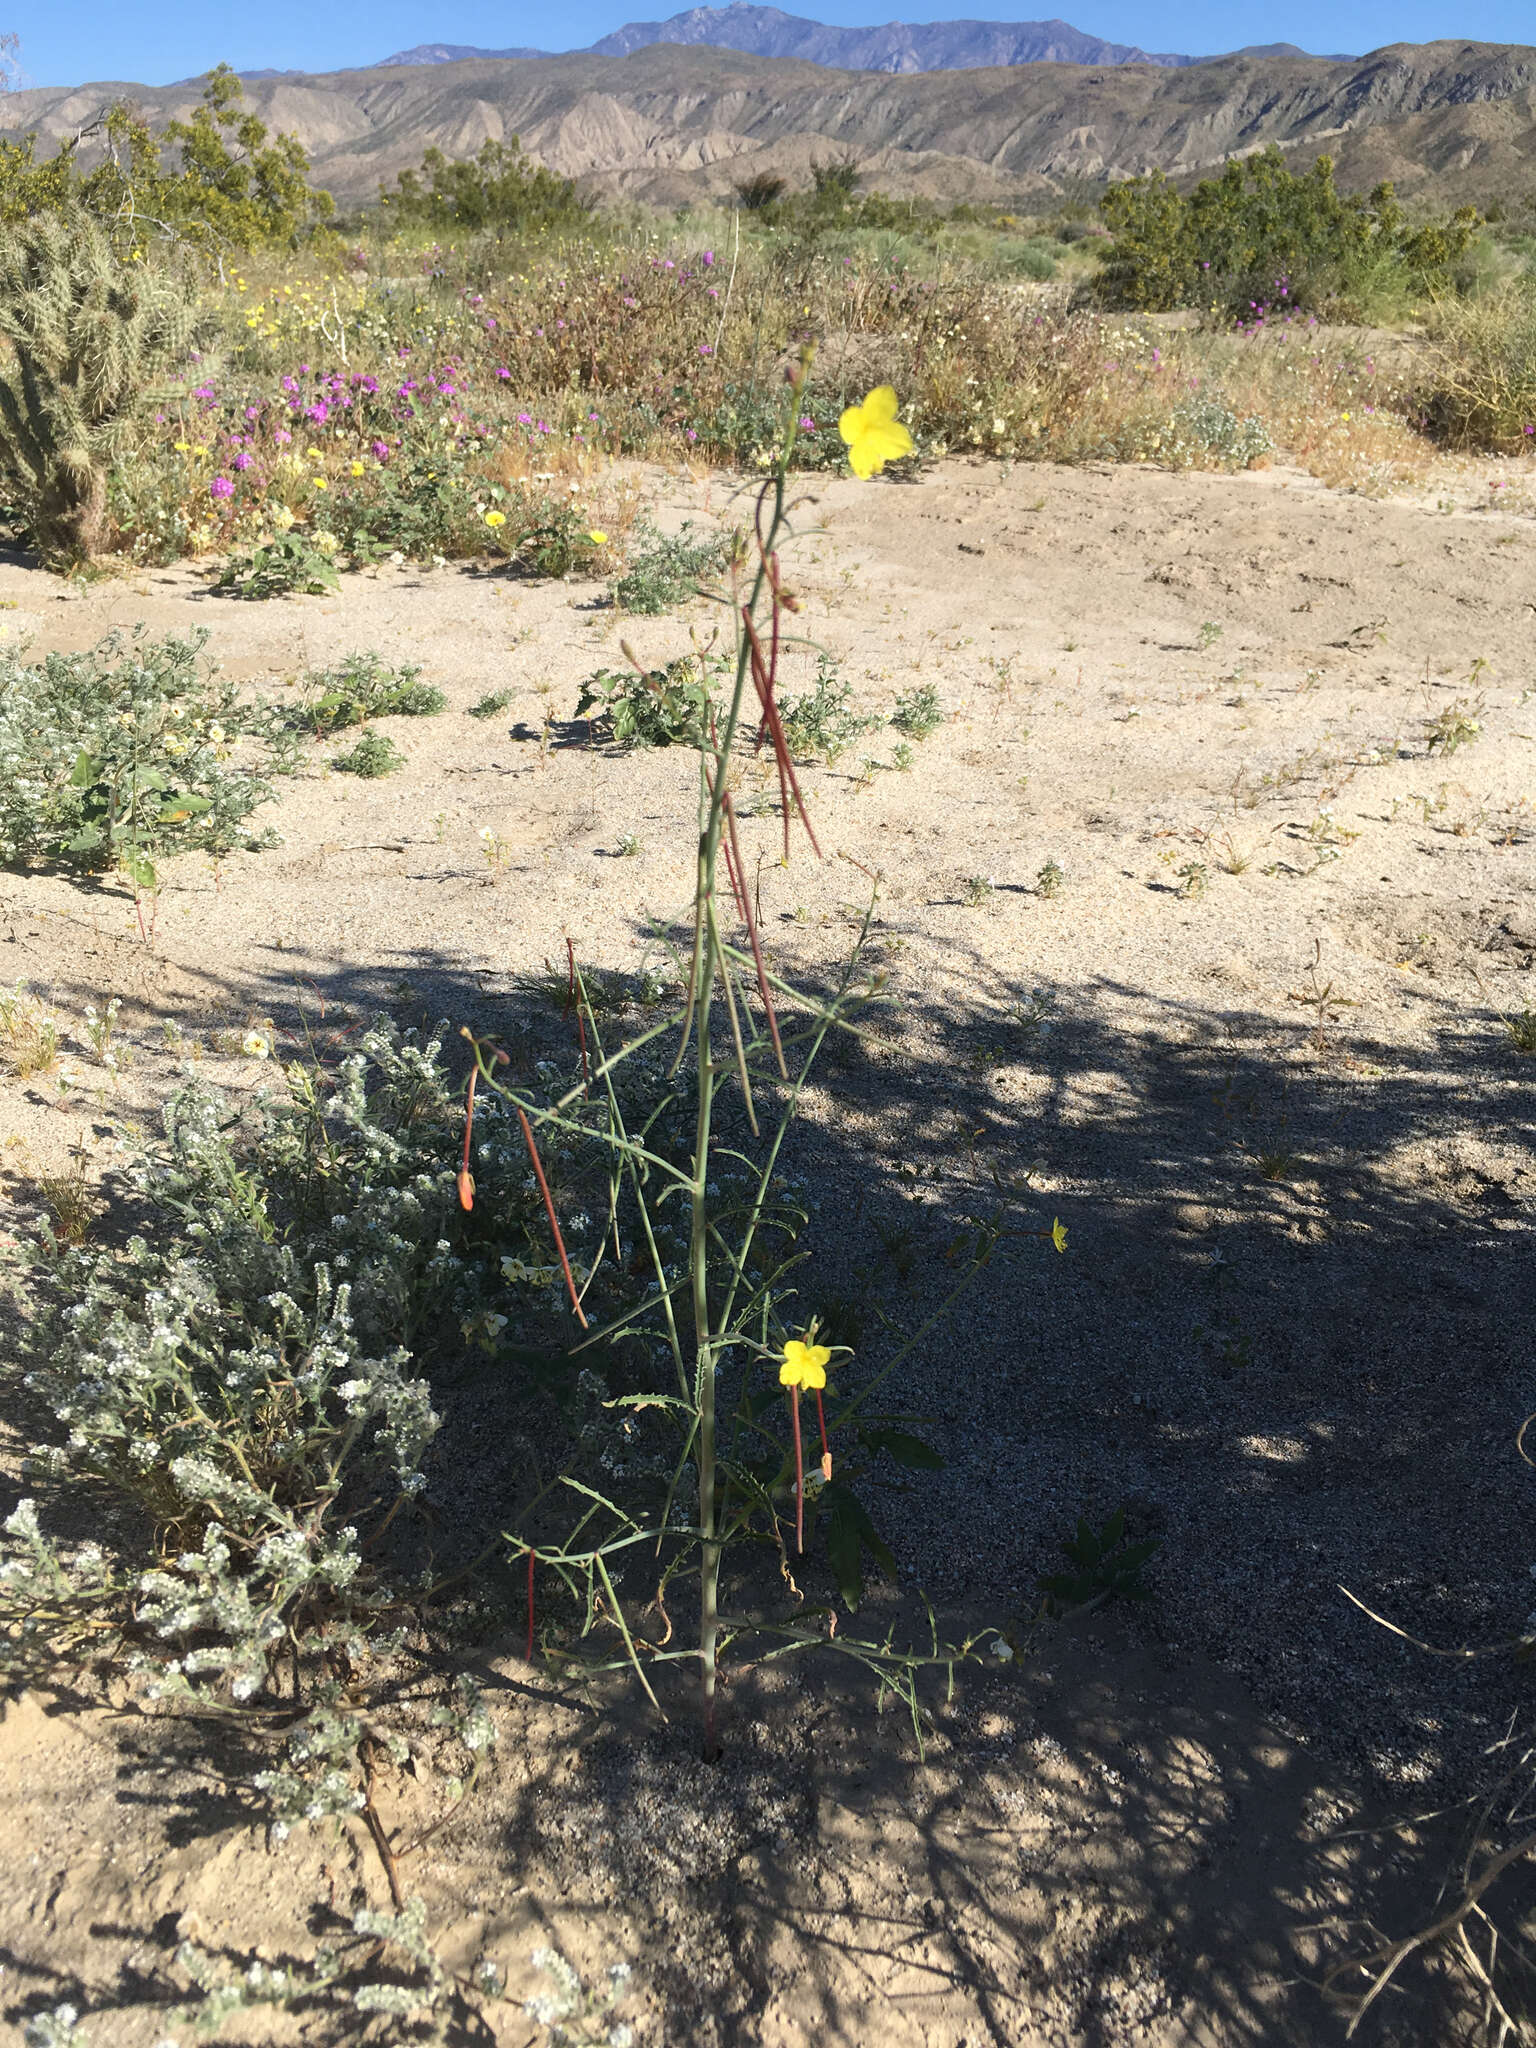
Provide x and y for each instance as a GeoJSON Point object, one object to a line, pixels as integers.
{"type": "Point", "coordinates": [530, 1606]}
{"type": "Point", "coordinates": [763, 679]}
{"type": "Point", "coordinates": [794, 1416]}
{"type": "Point", "coordinates": [826, 1450]}
{"type": "Point", "coordinates": [549, 1211]}
{"type": "Point", "coordinates": [733, 846]}
{"type": "Point", "coordinates": [466, 1178]}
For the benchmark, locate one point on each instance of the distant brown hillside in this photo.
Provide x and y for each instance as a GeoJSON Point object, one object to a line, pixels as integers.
{"type": "Point", "coordinates": [1446, 120]}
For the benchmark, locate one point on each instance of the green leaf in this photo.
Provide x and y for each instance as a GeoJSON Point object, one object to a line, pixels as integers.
{"type": "Point", "coordinates": [905, 1448]}
{"type": "Point", "coordinates": [86, 770]}
{"type": "Point", "coordinates": [850, 1532]}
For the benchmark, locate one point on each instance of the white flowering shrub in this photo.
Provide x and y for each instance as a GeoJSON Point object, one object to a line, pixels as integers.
{"type": "Point", "coordinates": [124, 752]}
{"type": "Point", "coordinates": [242, 1370]}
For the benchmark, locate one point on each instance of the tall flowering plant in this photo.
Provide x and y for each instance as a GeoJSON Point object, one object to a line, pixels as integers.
{"type": "Point", "coordinates": [742, 1042]}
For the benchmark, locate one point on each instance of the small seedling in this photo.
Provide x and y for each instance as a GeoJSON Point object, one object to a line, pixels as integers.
{"type": "Point", "coordinates": [978, 888]}
{"type": "Point", "coordinates": [1454, 727]}
{"type": "Point", "coordinates": [360, 687]}
{"type": "Point", "coordinates": [491, 705]}
{"type": "Point", "coordinates": [918, 712]}
{"type": "Point", "coordinates": [29, 1036]}
{"type": "Point", "coordinates": [1208, 635]}
{"type": "Point", "coordinates": [1193, 878]}
{"type": "Point", "coordinates": [1104, 1567]}
{"type": "Point", "coordinates": [1050, 877]}
{"type": "Point", "coordinates": [902, 756]}
{"type": "Point", "coordinates": [628, 847]}
{"type": "Point", "coordinates": [497, 851]}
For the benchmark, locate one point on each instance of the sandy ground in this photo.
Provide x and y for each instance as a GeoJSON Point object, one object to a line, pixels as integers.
{"type": "Point", "coordinates": [1250, 1051]}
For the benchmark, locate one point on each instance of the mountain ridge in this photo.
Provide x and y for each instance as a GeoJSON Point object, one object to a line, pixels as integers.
{"type": "Point", "coordinates": [670, 126]}
{"type": "Point", "coordinates": [895, 46]}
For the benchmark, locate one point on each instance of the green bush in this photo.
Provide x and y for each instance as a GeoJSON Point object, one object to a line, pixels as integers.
{"type": "Point", "coordinates": [1262, 240]}
{"type": "Point", "coordinates": [498, 189]}
{"type": "Point", "coordinates": [119, 754]}
{"type": "Point", "coordinates": [231, 185]}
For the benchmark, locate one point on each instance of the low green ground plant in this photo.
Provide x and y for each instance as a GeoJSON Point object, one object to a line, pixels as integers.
{"type": "Point", "coordinates": [290, 564]}
{"type": "Point", "coordinates": [919, 712]}
{"type": "Point", "coordinates": [822, 724]}
{"type": "Point", "coordinates": [359, 687]}
{"type": "Point", "coordinates": [135, 749]}
{"type": "Point", "coordinates": [659, 707]}
{"type": "Point", "coordinates": [665, 569]}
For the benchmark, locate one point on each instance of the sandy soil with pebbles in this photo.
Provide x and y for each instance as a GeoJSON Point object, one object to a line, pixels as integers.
{"type": "Point", "coordinates": [1249, 1050]}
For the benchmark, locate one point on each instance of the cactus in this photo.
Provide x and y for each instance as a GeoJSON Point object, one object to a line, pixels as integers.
{"type": "Point", "coordinates": [89, 336]}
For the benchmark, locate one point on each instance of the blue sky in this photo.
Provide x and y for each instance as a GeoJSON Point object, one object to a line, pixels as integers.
{"type": "Point", "coordinates": [64, 42]}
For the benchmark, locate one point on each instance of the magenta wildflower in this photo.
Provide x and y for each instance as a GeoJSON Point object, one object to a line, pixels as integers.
{"type": "Point", "coordinates": [241, 461]}
{"type": "Point", "coordinates": [221, 487]}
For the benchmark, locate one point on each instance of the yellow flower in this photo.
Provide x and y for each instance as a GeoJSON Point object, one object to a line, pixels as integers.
{"type": "Point", "coordinates": [805, 1365]}
{"type": "Point", "coordinates": [597, 538]}
{"type": "Point", "coordinates": [282, 519]}
{"type": "Point", "coordinates": [320, 483]}
{"type": "Point", "coordinates": [495, 519]}
{"type": "Point", "coordinates": [1058, 1234]}
{"type": "Point", "coordinates": [873, 433]}
{"type": "Point", "coordinates": [357, 469]}
{"type": "Point", "coordinates": [180, 447]}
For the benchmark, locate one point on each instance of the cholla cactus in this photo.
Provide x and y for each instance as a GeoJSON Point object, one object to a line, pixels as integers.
{"type": "Point", "coordinates": [89, 335]}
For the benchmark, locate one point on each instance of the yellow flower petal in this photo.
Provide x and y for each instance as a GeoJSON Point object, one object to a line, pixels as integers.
{"type": "Point", "coordinates": [1059, 1234]}
{"type": "Point", "coordinates": [598, 540]}
{"type": "Point", "coordinates": [805, 1365]}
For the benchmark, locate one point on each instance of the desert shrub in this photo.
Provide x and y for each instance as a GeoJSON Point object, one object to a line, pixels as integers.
{"type": "Point", "coordinates": [1479, 387]}
{"type": "Point", "coordinates": [123, 753]}
{"type": "Point", "coordinates": [241, 1374]}
{"type": "Point", "coordinates": [823, 723]}
{"type": "Point", "coordinates": [359, 687]}
{"type": "Point", "coordinates": [375, 754]}
{"type": "Point", "coordinates": [665, 568]}
{"type": "Point", "coordinates": [90, 338]}
{"type": "Point", "coordinates": [1262, 237]}
{"type": "Point", "coordinates": [664, 707]}
{"type": "Point", "coordinates": [499, 189]}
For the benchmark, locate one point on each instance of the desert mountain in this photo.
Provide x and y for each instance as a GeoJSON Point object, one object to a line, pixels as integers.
{"type": "Point", "coordinates": [669, 124]}
{"type": "Point", "coordinates": [898, 46]}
